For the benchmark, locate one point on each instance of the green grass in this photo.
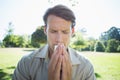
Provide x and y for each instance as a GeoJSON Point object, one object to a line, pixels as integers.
{"type": "Point", "coordinates": [106, 65]}
{"type": "Point", "coordinates": [9, 58]}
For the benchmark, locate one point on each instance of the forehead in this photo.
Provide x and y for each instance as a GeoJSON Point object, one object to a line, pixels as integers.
{"type": "Point", "coordinates": [57, 21]}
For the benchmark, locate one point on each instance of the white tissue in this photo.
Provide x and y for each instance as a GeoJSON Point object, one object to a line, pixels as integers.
{"type": "Point", "coordinates": [55, 47]}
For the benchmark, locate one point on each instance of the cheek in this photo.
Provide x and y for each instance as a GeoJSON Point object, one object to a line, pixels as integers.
{"type": "Point", "coordinates": [50, 37]}
{"type": "Point", "coordinates": [67, 40]}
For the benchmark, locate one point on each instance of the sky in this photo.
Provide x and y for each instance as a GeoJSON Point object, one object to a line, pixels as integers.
{"type": "Point", "coordinates": [94, 16]}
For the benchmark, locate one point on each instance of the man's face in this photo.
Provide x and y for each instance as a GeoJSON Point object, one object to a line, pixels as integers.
{"type": "Point", "coordinates": [58, 30]}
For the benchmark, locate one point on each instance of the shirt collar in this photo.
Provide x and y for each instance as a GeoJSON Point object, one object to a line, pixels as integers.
{"type": "Point", "coordinates": [43, 53]}
{"type": "Point", "coordinates": [73, 56]}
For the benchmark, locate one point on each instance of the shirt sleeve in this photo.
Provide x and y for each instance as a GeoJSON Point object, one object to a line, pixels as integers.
{"type": "Point", "coordinates": [22, 70]}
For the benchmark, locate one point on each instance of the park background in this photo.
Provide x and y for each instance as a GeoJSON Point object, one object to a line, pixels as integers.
{"type": "Point", "coordinates": [97, 33]}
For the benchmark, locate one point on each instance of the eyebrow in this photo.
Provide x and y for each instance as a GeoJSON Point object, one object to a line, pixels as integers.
{"type": "Point", "coordinates": [62, 30]}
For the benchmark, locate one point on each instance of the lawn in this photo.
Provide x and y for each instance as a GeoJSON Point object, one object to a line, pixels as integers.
{"type": "Point", "coordinates": [9, 58]}
{"type": "Point", "coordinates": [107, 65]}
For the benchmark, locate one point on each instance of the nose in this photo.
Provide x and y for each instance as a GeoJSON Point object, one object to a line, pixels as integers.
{"type": "Point", "coordinates": [59, 38]}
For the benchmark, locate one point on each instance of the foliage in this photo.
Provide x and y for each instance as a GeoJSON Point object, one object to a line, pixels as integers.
{"type": "Point", "coordinates": [10, 29]}
{"type": "Point", "coordinates": [38, 37]}
{"type": "Point", "coordinates": [15, 41]}
{"type": "Point", "coordinates": [77, 41]}
{"type": "Point", "coordinates": [91, 43]}
{"type": "Point", "coordinates": [113, 45]}
{"type": "Point", "coordinates": [25, 41]}
{"type": "Point", "coordinates": [10, 41]}
{"type": "Point", "coordinates": [99, 46]}
{"type": "Point", "coordinates": [1, 45]}
{"type": "Point", "coordinates": [118, 48]}
{"type": "Point", "coordinates": [112, 33]}
{"type": "Point", "coordinates": [111, 39]}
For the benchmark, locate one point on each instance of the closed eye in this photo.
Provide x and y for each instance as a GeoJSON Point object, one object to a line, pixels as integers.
{"type": "Point", "coordinates": [53, 31]}
{"type": "Point", "coordinates": [65, 32]}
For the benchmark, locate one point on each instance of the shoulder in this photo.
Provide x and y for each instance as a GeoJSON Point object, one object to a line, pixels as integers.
{"type": "Point", "coordinates": [28, 58]}
{"type": "Point", "coordinates": [85, 68]}
{"type": "Point", "coordinates": [83, 58]}
{"type": "Point", "coordinates": [83, 61]}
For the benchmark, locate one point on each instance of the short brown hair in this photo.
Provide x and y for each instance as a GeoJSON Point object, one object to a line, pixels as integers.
{"type": "Point", "coordinates": [60, 11]}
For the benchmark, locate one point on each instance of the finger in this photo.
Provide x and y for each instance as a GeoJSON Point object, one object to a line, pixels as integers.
{"type": "Point", "coordinates": [54, 58]}
{"type": "Point", "coordinates": [51, 68]}
{"type": "Point", "coordinates": [53, 61]}
{"type": "Point", "coordinates": [55, 73]}
{"type": "Point", "coordinates": [67, 66]}
{"type": "Point", "coordinates": [64, 68]}
{"type": "Point", "coordinates": [58, 67]}
{"type": "Point", "coordinates": [66, 53]}
{"type": "Point", "coordinates": [67, 60]}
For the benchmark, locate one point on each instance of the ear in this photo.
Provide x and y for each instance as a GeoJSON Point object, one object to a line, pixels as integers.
{"type": "Point", "coordinates": [45, 30]}
{"type": "Point", "coordinates": [73, 30]}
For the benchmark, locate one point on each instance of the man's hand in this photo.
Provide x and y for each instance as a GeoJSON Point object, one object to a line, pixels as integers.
{"type": "Point", "coordinates": [66, 66]}
{"type": "Point", "coordinates": [55, 65]}
{"type": "Point", "coordinates": [60, 67]}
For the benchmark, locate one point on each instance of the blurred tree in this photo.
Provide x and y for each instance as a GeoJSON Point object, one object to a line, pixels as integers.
{"type": "Point", "coordinates": [1, 44]}
{"type": "Point", "coordinates": [24, 41]}
{"type": "Point", "coordinates": [112, 45]}
{"type": "Point", "coordinates": [10, 41]}
{"type": "Point", "coordinates": [91, 43]}
{"type": "Point", "coordinates": [99, 46]}
{"type": "Point", "coordinates": [10, 29]}
{"type": "Point", "coordinates": [112, 33]}
{"type": "Point", "coordinates": [110, 39]}
{"type": "Point", "coordinates": [118, 48]}
{"type": "Point", "coordinates": [15, 41]}
{"type": "Point", "coordinates": [38, 37]}
{"type": "Point", "coordinates": [77, 42]}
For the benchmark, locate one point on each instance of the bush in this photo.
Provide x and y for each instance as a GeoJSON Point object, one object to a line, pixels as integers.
{"type": "Point", "coordinates": [38, 37]}
{"type": "Point", "coordinates": [118, 49]}
{"type": "Point", "coordinates": [112, 45]}
{"type": "Point", "coordinates": [99, 47]}
{"type": "Point", "coordinates": [15, 41]}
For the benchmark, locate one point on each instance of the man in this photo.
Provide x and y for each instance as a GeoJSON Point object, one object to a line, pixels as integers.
{"type": "Point", "coordinates": [51, 62]}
